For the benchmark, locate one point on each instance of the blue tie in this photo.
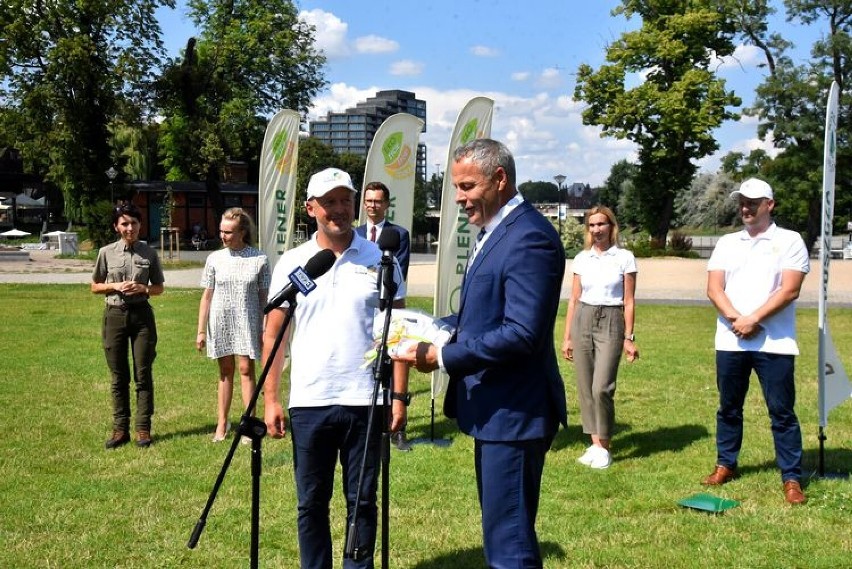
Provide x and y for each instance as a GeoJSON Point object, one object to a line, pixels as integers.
{"type": "Point", "coordinates": [475, 251]}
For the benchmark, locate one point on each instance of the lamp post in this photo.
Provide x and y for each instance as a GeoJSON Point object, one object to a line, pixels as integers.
{"type": "Point", "coordinates": [437, 188]}
{"type": "Point", "coordinates": [560, 179]}
{"type": "Point", "coordinates": [111, 174]}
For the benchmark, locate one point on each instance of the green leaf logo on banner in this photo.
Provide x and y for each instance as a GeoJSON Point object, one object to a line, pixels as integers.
{"type": "Point", "coordinates": [279, 145]}
{"type": "Point", "coordinates": [468, 133]}
{"type": "Point", "coordinates": [282, 151]}
{"type": "Point", "coordinates": [391, 147]}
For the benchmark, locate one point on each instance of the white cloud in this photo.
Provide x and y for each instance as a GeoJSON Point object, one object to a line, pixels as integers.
{"type": "Point", "coordinates": [520, 75]}
{"type": "Point", "coordinates": [332, 37]}
{"type": "Point", "coordinates": [338, 98]}
{"type": "Point", "coordinates": [550, 78]}
{"type": "Point", "coordinates": [744, 57]}
{"type": "Point", "coordinates": [375, 44]}
{"type": "Point", "coordinates": [545, 133]}
{"type": "Point", "coordinates": [406, 67]}
{"type": "Point", "coordinates": [484, 51]}
{"type": "Point", "coordinates": [330, 32]}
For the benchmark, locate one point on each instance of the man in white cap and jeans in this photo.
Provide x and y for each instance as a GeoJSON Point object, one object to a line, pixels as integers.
{"type": "Point", "coordinates": [330, 389]}
{"type": "Point", "coordinates": [753, 279]}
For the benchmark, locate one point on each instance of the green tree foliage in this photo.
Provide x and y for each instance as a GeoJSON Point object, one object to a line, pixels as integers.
{"type": "Point", "coordinates": [419, 223]}
{"type": "Point", "coordinates": [573, 235]}
{"type": "Point", "coordinates": [791, 105]}
{"type": "Point", "coordinates": [134, 150]}
{"type": "Point", "coordinates": [315, 155]}
{"type": "Point", "coordinates": [540, 192]}
{"type": "Point", "coordinates": [620, 176]}
{"type": "Point", "coordinates": [252, 58]}
{"type": "Point", "coordinates": [434, 188]}
{"type": "Point", "coordinates": [741, 167]}
{"type": "Point", "coordinates": [677, 100]}
{"type": "Point", "coordinates": [751, 21]}
{"type": "Point", "coordinates": [68, 70]}
{"type": "Point", "coordinates": [707, 203]}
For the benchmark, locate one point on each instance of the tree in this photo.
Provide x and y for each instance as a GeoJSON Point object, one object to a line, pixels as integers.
{"type": "Point", "coordinates": [69, 69]}
{"type": "Point", "coordinates": [621, 173]}
{"type": "Point", "coordinates": [790, 105]}
{"type": "Point", "coordinates": [252, 58]}
{"type": "Point", "coordinates": [707, 203]}
{"type": "Point", "coordinates": [434, 188]}
{"type": "Point", "coordinates": [539, 192]}
{"type": "Point", "coordinates": [315, 155]}
{"type": "Point", "coordinates": [751, 21]}
{"type": "Point", "coordinates": [672, 113]}
{"type": "Point", "coordinates": [741, 167]}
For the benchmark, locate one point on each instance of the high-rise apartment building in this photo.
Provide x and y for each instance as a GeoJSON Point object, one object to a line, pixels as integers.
{"type": "Point", "coordinates": [353, 130]}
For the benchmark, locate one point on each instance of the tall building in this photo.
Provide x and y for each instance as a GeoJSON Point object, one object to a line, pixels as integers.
{"type": "Point", "coordinates": [353, 130]}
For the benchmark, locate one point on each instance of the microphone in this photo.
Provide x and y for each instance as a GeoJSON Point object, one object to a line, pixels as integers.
{"type": "Point", "coordinates": [388, 243]}
{"type": "Point", "coordinates": [301, 280]}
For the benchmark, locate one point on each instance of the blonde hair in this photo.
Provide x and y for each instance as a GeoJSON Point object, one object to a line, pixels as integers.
{"type": "Point", "coordinates": [244, 223]}
{"type": "Point", "coordinates": [610, 216]}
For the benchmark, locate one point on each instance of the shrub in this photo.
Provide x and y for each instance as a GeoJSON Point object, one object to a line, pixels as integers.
{"type": "Point", "coordinates": [680, 242]}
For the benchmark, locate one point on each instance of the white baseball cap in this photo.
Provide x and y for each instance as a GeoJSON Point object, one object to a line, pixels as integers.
{"type": "Point", "coordinates": [753, 189]}
{"type": "Point", "coordinates": [326, 180]}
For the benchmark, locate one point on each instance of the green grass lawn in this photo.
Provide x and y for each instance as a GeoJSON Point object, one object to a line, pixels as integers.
{"type": "Point", "coordinates": [65, 502]}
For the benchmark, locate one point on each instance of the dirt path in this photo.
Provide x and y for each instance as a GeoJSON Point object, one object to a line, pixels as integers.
{"type": "Point", "coordinates": [664, 279]}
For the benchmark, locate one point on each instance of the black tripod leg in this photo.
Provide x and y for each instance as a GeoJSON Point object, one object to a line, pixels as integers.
{"type": "Point", "coordinates": [258, 431]}
{"type": "Point", "coordinates": [255, 429]}
{"type": "Point", "coordinates": [386, 487]}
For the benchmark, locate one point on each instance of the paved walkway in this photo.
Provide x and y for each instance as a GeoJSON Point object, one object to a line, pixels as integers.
{"type": "Point", "coordinates": [660, 279]}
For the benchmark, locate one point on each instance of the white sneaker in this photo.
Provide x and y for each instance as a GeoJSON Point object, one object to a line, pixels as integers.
{"type": "Point", "coordinates": [586, 457]}
{"type": "Point", "coordinates": [601, 459]}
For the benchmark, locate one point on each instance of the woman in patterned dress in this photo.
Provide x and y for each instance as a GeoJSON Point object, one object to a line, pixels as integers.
{"type": "Point", "coordinates": [230, 316]}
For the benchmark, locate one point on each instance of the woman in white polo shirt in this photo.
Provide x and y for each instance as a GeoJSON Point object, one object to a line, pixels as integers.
{"type": "Point", "coordinates": [599, 326]}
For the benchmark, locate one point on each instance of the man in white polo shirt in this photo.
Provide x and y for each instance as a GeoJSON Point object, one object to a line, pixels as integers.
{"type": "Point", "coordinates": [753, 279]}
{"type": "Point", "coordinates": [330, 389]}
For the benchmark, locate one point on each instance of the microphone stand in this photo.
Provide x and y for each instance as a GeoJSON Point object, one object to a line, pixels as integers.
{"type": "Point", "coordinates": [255, 429]}
{"type": "Point", "coordinates": [382, 372]}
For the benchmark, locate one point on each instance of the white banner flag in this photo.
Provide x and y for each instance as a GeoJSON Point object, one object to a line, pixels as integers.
{"type": "Point", "coordinates": [456, 237]}
{"type": "Point", "coordinates": [392, 160]}
{"type": "Point", "coordinates": [834, 387]}
{"type": "Point", "coordinates": [277, 191]}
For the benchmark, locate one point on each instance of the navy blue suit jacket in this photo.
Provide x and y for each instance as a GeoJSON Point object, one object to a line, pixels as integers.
{"type": "Point", "coordinates": [403, 253]}
{"type": "Point", "coordinates": [504, 376]}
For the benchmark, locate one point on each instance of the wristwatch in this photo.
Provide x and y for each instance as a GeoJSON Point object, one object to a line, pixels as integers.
{"type": "Point", "coordinates": [404, 397]}
{"type": "Point", "coordinates": [631, 337]}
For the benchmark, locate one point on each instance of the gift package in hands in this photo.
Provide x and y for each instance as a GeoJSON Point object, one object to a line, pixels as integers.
{"type": "Point", "coordinates": [407, 328]}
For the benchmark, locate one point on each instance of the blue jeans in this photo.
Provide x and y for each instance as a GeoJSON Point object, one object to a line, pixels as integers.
{"type": "Point", "coordinates": [321, 435]}
{"type": "Point", "coordinates": [775, 372]}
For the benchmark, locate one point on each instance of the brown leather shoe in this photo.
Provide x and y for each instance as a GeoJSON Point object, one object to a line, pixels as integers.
{"type": "Point", "coordinates": [721, 475]}
{"type": "Point", "coordinates": [143, 439]}
{"type": "Point", "coordinates": [793, 493]}
{"type": "Point", "coordinates": [117, 439]}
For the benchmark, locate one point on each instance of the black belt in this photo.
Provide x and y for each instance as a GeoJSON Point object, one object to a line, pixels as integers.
{"type": "Point", "coordinates": [126, 307]}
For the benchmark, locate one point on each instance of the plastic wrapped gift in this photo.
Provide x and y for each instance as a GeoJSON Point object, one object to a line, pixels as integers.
{"type": "Point", "coordinates": [407, 327]}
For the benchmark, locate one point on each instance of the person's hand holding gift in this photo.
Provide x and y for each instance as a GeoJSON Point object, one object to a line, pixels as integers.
{"type": "Point", "coordinates": [407, 328]}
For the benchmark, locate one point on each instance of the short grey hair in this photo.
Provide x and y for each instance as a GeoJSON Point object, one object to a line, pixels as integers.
{"type": "Point", "coordinates": [488, 155]}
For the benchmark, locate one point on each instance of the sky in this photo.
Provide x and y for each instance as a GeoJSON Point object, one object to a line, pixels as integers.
{"type": "Point", "coordinates": [523, 55]}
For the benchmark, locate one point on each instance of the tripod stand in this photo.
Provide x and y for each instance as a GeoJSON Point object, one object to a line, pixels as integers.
{"type": "Point", "coordinates": [255, 429]}
{"type": "Point", "coordinates": [381, 375]}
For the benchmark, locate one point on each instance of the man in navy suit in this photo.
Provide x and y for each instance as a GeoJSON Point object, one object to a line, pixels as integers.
{"type": "Point", "coordinates": [505, 389]}
{"type": "Point", "coordinates": [376, 204]}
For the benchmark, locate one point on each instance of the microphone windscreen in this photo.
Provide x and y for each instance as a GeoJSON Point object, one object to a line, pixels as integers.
{"type": "Point", "coordinates": [319, 264]}
{"type": "Point", "coordinates": [389, 240]}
